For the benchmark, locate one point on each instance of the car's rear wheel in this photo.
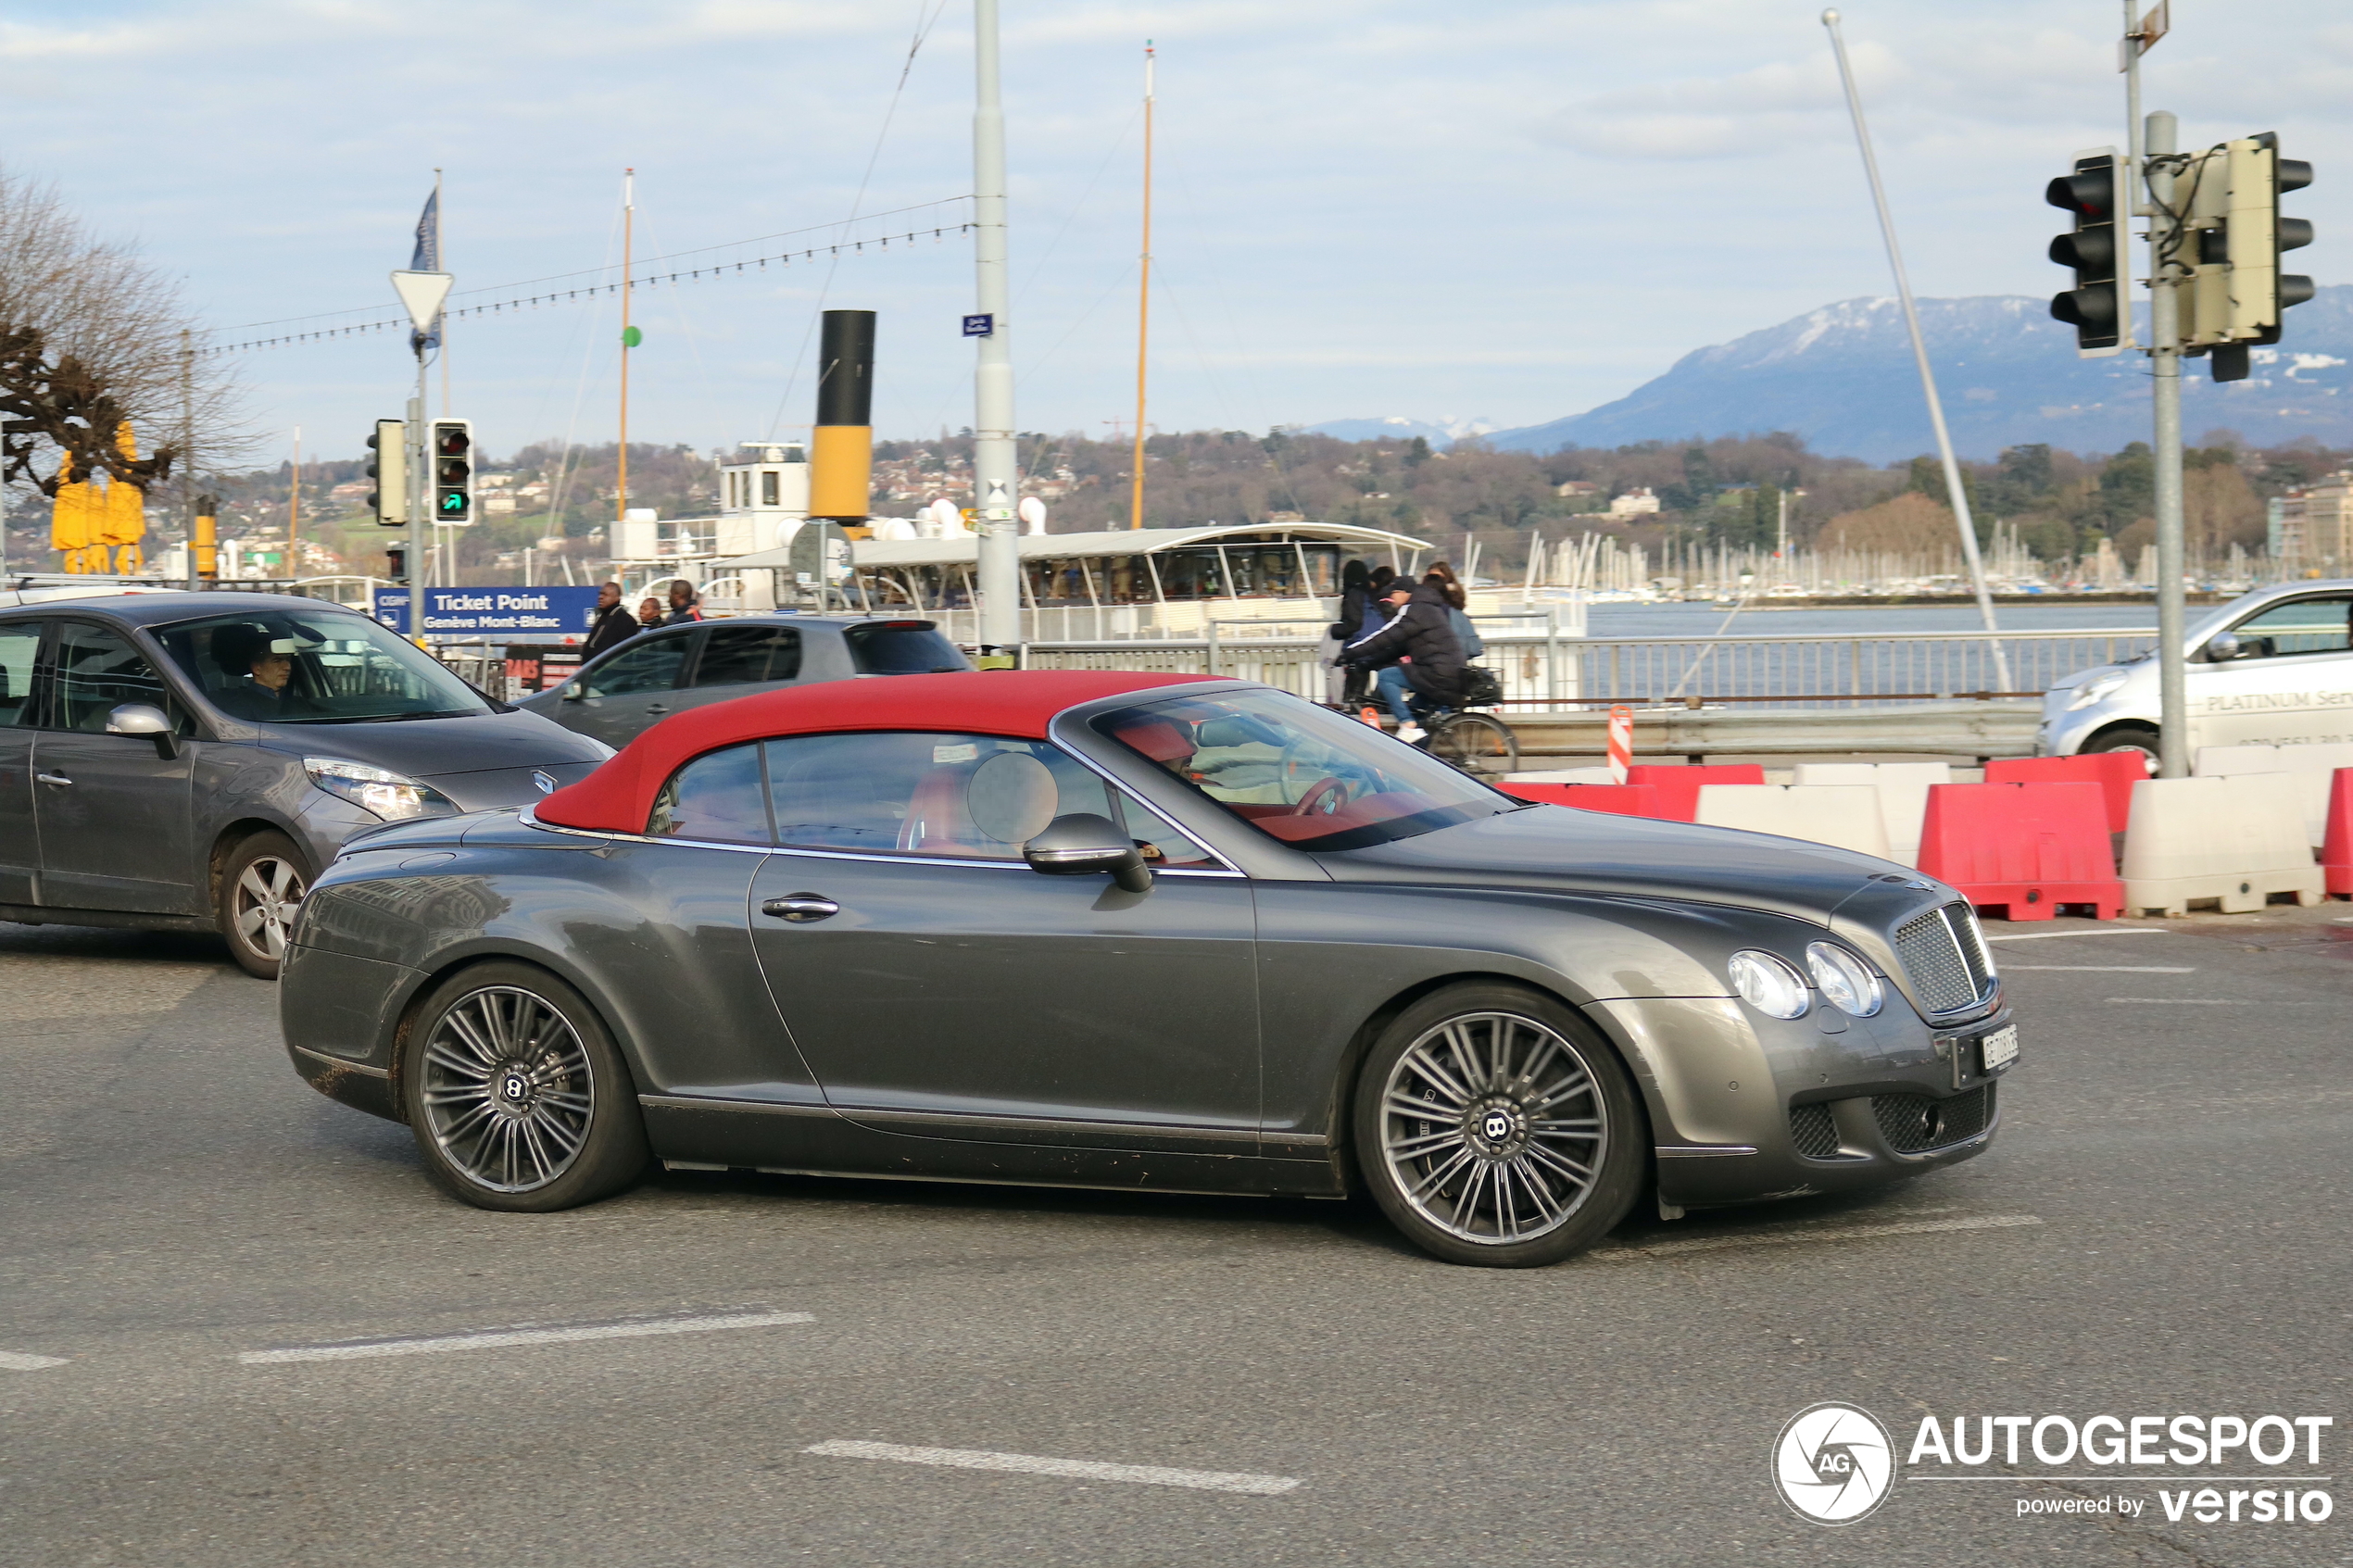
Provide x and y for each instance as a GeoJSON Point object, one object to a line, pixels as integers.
{"type": "Point", "coordinates": [517, 1095]}
{"type": "Point", "coordinates": [262, 884]}
{"type": "Point", "coordinates": [1496, 1128]}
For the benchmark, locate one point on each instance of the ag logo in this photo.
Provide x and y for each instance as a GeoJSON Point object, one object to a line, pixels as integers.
{"type": "Point", "coordinates": [1833, 1464]}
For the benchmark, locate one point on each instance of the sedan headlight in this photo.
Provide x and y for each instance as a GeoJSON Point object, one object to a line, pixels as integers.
{"type": "Point", "coordinates": [1847, 980]}
{"type": "Point", "coordinates": [386, 795]}
{"type": "Point", "coordinates": [1768, 984]}
{"type": "Point", "coordinates": [2094, 689]}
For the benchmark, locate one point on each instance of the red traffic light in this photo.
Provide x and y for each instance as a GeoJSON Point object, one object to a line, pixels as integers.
{"type": "Point", "coordinates": [2089, 194]}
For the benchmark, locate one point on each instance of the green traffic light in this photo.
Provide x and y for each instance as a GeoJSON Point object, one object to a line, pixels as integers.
{"type": "Point", "coordinates": [453, 502]}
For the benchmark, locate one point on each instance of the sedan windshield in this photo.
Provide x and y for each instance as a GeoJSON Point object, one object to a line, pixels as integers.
{"type": "Point", "coordinates": [1299, 773]}
{"type": "Point", "coordinates": [301, 667]}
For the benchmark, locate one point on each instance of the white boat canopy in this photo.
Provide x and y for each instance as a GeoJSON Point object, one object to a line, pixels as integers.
{"type": "Point", "coordinates": [963, 550]}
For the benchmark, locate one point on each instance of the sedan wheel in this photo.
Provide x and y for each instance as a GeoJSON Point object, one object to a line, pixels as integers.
{"type": "Point", "coordinates": [1495, 1129]}
{"type": "Point", "coordinates": [516, 1094]}
{"type": "Point", "coordinates": [261, 891]}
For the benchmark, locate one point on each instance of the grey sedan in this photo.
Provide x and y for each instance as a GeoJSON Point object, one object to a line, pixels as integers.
{"type": "Point", "coordinates": [667, 670]}
{"type": "Point", "coordinates": [1129, 930]}
{"type": "Point", "coordinates": [190, 760]}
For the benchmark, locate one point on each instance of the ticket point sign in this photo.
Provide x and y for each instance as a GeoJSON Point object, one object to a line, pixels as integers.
{"type": "Point", "coordinates": [497, 614]}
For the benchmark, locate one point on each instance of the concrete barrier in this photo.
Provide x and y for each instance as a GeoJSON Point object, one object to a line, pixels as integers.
{"type": "Point", "coordinates": [2024, 850]}
{"type": "Point", "coordinates": [2233, 841]}
{"type": "Point", "coordinates": [1844, 815]}
{"type": "Point", "coordinates": [2312, 764]}
{"type": "Point", "coordinates": [1903, 795]}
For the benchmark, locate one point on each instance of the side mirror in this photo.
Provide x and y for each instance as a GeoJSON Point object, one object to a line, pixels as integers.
{"type": "Point", "coordinates": [574, 689]}
{"type": "Point", "coordinates": [2222, 647]}
{"type": "Point", "coordinates": [1085, 845]}
{"type": "Point", "coordinates": [143, 718]}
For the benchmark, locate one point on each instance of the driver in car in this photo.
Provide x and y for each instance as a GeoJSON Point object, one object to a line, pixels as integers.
{"type": "Point", "coordinates": [261, 671]}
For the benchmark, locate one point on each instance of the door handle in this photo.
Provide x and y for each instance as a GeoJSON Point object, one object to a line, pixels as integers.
{"type": "Point", "coordinates": [58, 778]}
{"type": "Point", "coordinates": [657, 708]}
{"type": "Point", "coordinates": [800, 908]}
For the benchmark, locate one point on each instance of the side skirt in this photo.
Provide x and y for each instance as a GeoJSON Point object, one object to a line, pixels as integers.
{"type": "Point", "coordinates": [42, 914]}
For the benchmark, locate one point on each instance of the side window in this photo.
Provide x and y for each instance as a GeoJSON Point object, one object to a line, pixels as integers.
{"type": "Point", "coordinates": [19, 644]}
{"type": "Point", "coordinates": [740, 656]}
{"type": "Point", "coordinates": [969, 796]}
{"type": "Point", "coordinates": [95, 670]}
{"type": "Point", "coordinates": [650, 666]}
{"type": "Point", "coordinates": [718, 797]}
{"type": "Point", "coordinates": [2306, 626]}
{"type": "Point", "coordinates": [1165, 848]}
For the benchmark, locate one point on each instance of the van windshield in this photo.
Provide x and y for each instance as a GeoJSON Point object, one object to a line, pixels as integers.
{"type": "Point", "coordinates": [303, 667]}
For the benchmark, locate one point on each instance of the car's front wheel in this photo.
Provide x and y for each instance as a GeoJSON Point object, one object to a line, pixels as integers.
{"type": "Point", "coordinates": [1496, 1128]}
{"type": "Point", "coordinates": [262, 883]}
{"type": "Point", "coordinates": [517, 1096]}
{"type": "Point", "coordinates": [2128, 738]}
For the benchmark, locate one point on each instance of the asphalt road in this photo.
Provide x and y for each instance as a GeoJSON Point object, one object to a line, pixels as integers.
{"type": "Point", "coordinates": [2162, 1228]}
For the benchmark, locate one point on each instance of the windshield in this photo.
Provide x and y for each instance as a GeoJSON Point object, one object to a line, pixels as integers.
{"type": "Point", "coordinates": [304, 667]}
{"type": "Point", "coordinates": [1299, 773]}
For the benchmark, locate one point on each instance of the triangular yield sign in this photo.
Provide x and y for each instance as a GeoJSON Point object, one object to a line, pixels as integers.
{"type": "Point", "coordinates": [423, 293]}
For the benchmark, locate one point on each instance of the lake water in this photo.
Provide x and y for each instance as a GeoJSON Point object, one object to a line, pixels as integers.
{"type": "Point", "coordinates": [1700, 621]}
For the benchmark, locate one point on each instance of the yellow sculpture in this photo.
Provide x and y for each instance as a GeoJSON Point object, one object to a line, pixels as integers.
{"type": "Point", "coordinates": [97, 531]}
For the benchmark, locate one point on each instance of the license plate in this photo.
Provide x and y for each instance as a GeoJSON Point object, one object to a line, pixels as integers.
{"type": "Point", "coordinates": [1998, 1049]}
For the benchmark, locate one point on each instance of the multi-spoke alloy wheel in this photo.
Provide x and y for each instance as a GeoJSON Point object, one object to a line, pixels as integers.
{"type": "Point", "coordinates": [507, 1092]}
{"type": "Point", "coordinates": [262, 884]}
{"type": "Point", "coordinates": [516, 1094]}
{"type": "Point", "coordinates": [1494, 1132]}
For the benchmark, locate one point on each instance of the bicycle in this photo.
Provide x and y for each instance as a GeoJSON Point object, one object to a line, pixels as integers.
{"type": "Point", "coordinates": [1473, 743]}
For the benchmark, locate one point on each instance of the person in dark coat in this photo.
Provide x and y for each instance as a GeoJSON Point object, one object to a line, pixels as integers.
{"type": "Point", "coordinates": [1422, 640]}
{"type": "Point", "coordinates": [1342, 685]}
{"type": "Point", "coordinates": [685, 604]}
{"type": "Point", "coordinates": [612, 626]}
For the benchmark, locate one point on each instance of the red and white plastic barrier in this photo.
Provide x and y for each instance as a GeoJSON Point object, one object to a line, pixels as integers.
{"type": "Point", "coordinates": [2023, 848]}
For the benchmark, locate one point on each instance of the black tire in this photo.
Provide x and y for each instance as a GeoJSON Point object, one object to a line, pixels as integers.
{"type": "Point", "coordinates": [2128, 738]}
{"type": "Point", "coordinates": [518, 1097]}
{"type": "Point", "coordinates": [1482, 746]}
{"type": "Point", "coordinates": [262, 885]}
{"type": "Point", "coordinates": [1501, 1152]}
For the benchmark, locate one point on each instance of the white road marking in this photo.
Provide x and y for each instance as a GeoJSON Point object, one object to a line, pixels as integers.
{"type": "Point", "coordinates": [1792, 1237]}
{"type": "Point", "coordinates": [2098, 968]}
{"type": "Point", "coordinates": [2104, 931]}
{"type": "Point", "coordinates": [1078, 1469]}
{"type": "Point", "coordinates": [499, 1338]}
{"type": "Point", "coordinates": [17, 1361]}
{"type": "Point", "coordinates": [2205, 1002]}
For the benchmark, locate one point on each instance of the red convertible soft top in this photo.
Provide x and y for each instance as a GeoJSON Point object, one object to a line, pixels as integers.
{"type": "Point", "coordinates": [618, 796]}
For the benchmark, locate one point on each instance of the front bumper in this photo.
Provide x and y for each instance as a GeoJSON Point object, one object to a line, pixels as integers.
{"type": "Point", "coordinates": [1745, 1109]}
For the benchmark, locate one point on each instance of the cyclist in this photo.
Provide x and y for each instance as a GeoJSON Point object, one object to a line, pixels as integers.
{"type": "Point", "coordinates": [1420, 644]}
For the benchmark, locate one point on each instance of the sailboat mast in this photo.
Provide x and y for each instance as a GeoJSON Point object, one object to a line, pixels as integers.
{"type": "Point", "coordinates": [1143, 302]}
{"type": "Point", "coordinates": [628, 220]}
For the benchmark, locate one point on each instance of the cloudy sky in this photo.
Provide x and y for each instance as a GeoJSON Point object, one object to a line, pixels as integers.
{"type": "Point", "coordinates": [1512, 210]}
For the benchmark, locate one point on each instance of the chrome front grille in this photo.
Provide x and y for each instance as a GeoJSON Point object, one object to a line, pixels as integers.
{"type": "Point", "coordinates": [1944, 953]}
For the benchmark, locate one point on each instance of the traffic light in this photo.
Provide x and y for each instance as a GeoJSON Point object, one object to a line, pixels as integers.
{"type": "Point", "coordinates": [396, 561]}
{"type": "Point", "coordinates": [2094, 307]}
{"type": "Point", "coordinates": [2237, 291]}
{"type": "Point", "coordinates": [453, 471]}
{"type": "Point", "coordinates": [389, 468]}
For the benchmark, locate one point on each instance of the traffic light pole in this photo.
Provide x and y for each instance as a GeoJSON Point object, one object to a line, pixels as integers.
{"type": "Point", "coordinates": [2165, 361]}
{"type": "Point", "coordinates": [996, 466]}
{"type": "Point", "coordinates": [420, 486]}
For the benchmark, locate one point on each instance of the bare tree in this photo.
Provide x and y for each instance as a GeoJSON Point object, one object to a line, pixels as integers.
{"type": "Point", "coordinates": [91, 337]}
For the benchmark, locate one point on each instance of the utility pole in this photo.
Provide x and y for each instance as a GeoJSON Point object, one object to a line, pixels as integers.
{"type": "Point", "coordinates": [1143, 303]}
{"type": "Point", "coordinates": [294, 513]}
{"type": "Point", "coordinates": [2165, 362]}
{"type": "Point", "coordinates": [995, 463]}
{"type": "Point", "coordinates": [628, 224]}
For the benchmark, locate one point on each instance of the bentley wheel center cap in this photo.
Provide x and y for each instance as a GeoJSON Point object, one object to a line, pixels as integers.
{"type": "Point", "coordinates": [514, 1089]}
{"type": "Point", "coordinates": [1498, 1128]}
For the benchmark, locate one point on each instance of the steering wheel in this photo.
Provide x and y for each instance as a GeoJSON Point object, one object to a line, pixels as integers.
{"type": "Point", "coordinates": [1322, 790]}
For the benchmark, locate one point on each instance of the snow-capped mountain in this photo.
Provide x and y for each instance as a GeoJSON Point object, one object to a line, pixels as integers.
{"type": "Point", "coordinates": [1444, 430]}
{"type": "Point", "coordinates": [1844, 377]}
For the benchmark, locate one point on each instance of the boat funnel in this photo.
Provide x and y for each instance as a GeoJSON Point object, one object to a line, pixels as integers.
{"type": "Point", "coordinates": [842, 455]}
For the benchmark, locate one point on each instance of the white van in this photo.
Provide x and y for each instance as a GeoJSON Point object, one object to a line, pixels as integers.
{"type": "Point", "coordinates": [2272, 668]}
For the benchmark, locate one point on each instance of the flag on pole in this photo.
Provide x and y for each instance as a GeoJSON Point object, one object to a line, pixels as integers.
{"type": "Point", "coordinates": [426, 258]}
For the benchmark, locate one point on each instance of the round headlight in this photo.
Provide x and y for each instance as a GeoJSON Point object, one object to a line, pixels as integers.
{"type": "Point", "coordinates": [1845, 979]}
{"type": "Point", "coordinates": [1768, 984]}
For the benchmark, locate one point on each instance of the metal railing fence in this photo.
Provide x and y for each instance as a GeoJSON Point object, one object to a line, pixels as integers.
{"type": "Point", "coordinates": [1536, 671]}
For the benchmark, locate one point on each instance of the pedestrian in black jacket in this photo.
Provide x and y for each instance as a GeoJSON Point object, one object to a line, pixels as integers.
{"type": "Point", "coordinates": [612, 626]}
{"type": "Point", "coordinates": [1422, 639]}
{"type": "Point", "coordinates": [1356, 602]}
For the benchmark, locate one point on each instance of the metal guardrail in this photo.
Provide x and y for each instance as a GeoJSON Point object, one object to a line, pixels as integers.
{"type": "Point", "coordinates": [1828, 670]}
{"type": "Point", "coordinates": [1974, 729]}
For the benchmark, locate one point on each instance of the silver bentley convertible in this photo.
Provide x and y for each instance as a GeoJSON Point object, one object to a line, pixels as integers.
{"type": "Point", "coordinates": [1115, 929]}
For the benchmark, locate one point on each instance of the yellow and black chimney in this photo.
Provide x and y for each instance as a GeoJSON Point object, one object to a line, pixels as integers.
{"type": "Point", "coordinates": [841, 457]}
